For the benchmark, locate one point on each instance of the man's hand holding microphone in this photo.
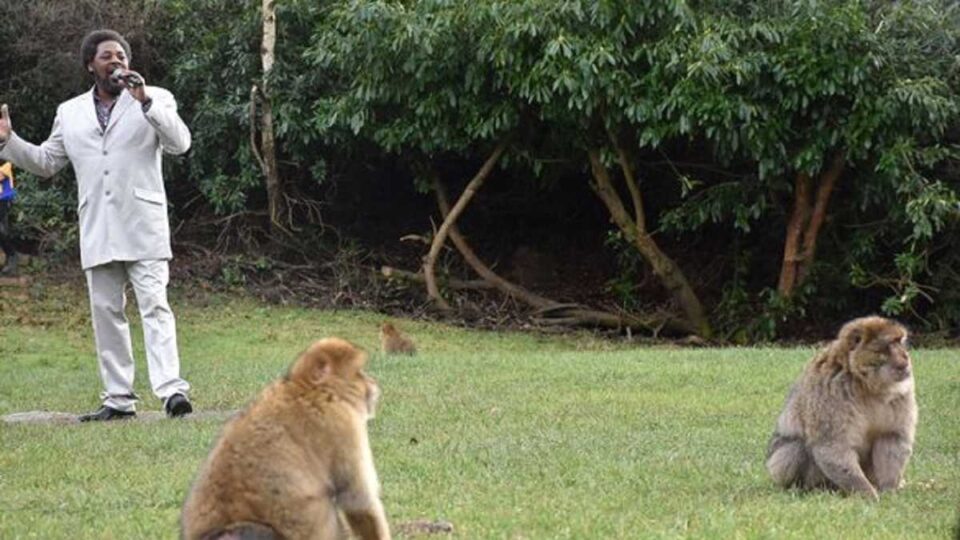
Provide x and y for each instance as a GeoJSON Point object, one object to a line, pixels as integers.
{"type": "Point", "coordinates": [132, 81]}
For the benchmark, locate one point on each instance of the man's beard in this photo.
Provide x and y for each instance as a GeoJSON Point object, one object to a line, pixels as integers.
{"type": "Point", "coordinates": [108, 85]}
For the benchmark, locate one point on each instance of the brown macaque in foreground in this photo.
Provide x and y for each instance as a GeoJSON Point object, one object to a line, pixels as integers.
{"type": "Point", "coordinates": [392, 341]}
{"type": "Point", "coordinates": [849, 421]}
{"type": "Point", "coordinates": [296, 463]}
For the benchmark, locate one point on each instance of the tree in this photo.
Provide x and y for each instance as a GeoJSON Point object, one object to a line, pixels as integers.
{"type": "Point", "coordinates": [267, 155]}
{"type": "Point", "coordinates": [813, 94]}
{"type": "Point", "coordinates": [216, 50]}
{"type": "Point", "coordinates": [438, 78]}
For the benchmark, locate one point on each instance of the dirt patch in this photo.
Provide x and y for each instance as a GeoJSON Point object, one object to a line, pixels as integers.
{"type": "Point", "coordinates": [53, 417]}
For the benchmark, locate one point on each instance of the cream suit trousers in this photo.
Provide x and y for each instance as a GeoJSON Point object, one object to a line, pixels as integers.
{"type": "Point", "coordinates": [106, 285]}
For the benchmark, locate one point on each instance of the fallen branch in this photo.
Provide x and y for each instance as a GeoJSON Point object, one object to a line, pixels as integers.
{"type": "Point", "coordinates": [417, 277]}
{"type": "Point", "coordinates": [573, 314]}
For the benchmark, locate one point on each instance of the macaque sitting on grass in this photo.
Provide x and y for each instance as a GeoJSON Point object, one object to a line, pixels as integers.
{"type": "Point", "coordinates": [297, 462]}
{"type": "Point", "coordinates": [849, 421]}
{"type": "Point", "coordinates": [393, 341]}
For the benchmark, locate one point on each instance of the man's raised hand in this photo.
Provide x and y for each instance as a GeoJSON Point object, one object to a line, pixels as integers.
{"type": "Point", "coordinates": [5, 126]}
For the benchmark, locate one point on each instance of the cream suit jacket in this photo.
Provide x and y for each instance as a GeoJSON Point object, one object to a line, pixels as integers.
{"type": "Point", "coordinates": [122, 205]}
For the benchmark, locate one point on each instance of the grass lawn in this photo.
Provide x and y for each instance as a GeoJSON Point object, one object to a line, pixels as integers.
{"type": "Point", "coordinates": [504, 435]}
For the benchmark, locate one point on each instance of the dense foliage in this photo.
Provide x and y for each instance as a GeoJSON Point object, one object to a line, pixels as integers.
{"type": "Point", "coordinates": [718, 125]}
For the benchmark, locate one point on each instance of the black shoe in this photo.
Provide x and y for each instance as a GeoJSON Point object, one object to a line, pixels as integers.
{"type": "Point", "coordinates": [178, 405]}
{"type": "Point", "coordinates": [104, 414]}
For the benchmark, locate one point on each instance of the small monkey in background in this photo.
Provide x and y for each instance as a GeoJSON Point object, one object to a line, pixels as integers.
{"type": "Point", "coordinates": [392, 341]}
{"type": "Point", "coordinates": [849, 421]}
{"type": "Point", "coordinates": [297, 462]}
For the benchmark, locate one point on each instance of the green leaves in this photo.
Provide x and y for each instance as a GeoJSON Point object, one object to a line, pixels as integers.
{"type": "Point", "coordinates": [776, 88]}
{"type": "Point", "coordinates": [738, 96]}
{"type": "Point", "coordinates": [444, 75]}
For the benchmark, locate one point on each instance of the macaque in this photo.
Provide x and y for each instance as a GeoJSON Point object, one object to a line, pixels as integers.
{"type": "Point", "coordinates": [392, 341]}
{"type": "Point", "coordinates": [849, 421]}
{"type": "Point", "coordinates": [296, 463]}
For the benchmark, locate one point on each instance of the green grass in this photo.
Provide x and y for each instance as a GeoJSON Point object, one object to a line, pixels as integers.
{"type": "Point", "coordinates": [504, 435]}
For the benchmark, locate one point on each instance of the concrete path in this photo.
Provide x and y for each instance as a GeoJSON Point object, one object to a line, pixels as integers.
{"type": "Point", "coordinates": [52, 417]}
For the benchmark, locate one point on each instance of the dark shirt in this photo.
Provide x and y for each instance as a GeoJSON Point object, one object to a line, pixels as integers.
{"type": "Point", "coordinates": [103, 110]}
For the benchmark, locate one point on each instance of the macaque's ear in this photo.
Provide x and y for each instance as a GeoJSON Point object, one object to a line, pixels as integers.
{"type": "Point", "coordinates": [347, 359]}
{"type": "Point", "coordinates": [311, 367]}
{"type": "Point", "coordinates": [854, 333]}
{"type": "Point", "coordinates": [854, 338]}
{"type": "Point", "coordinates": [325, 358]}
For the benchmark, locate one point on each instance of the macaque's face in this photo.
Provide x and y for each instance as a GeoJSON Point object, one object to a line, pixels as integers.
{"type": "Point", "coordinates": [884, 360]}
{"type": "Point", "coordinates": [110, 56]}
{"type": "Point", "coordinates": [896, 367]}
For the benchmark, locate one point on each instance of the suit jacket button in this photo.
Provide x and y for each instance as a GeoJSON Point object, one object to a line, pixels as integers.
{"type": "Point", "coordinates": [108, 193]}
{"type": "Point", "coordinates": [104, 152]}
{"type": "Point", "coordinates": [106, 173]}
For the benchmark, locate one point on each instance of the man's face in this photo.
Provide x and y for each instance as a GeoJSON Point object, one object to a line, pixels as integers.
{"type": "Point", "coordinates": [110, 56]}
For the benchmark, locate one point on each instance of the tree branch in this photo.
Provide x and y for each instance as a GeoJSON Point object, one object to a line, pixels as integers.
{"type": "Point", "coordinates": [827, 182]}
{"type": "Point", "coordinates": [603, 187]}
{"type": "Point", "coordinates": [484, 271]}
{"type": "Point", "coordinates": [666, 270]}
{"type": "Point", "coordinates": [630, 179]}
{"type": "Point", "coordinates": [390, 272]}
{"type": "Point", "coordinates": [440, 237]}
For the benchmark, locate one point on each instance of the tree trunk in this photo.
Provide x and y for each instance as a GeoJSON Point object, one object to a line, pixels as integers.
{"type": "Point", "coordinates": [275, 196]}
{"type": "Point", "coordinates": [254, 144]}
{"type": "Point", "coordinates": [795, 228]}
{"type": "Point", "coordinates": [635, 231]}
{"type": "Point", "coordinates": [429, 261]}
{"type": "Point", "coordinates": [806, 219]}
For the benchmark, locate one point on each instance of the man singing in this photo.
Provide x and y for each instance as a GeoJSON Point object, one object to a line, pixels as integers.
{"type": "Point", "coordinates": [114, 136]}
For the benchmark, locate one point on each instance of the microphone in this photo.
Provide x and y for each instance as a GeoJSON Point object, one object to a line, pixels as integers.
{"type": "Point", "coordinates": [131, 80]}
